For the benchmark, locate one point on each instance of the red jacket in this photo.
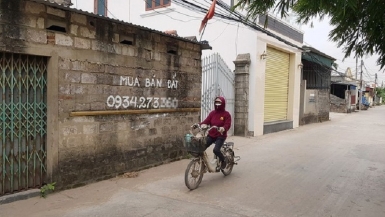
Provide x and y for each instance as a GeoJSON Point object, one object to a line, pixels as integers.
{"type": "Point", "coordinates": [220, 118]}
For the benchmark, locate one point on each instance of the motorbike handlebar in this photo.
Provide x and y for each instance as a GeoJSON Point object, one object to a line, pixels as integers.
{"type": "Point", "coordinates": [212, 127]}
{"type": "Point", "coordinates": [205, 129]}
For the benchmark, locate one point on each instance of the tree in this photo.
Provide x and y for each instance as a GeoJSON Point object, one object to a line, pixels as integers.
{"type": "Point", "coordinates": [358, 25]}
{"type": "Point", "coordinates": [381, 92]}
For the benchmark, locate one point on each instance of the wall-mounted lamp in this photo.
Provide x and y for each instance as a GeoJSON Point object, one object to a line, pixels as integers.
{"type": "Point", "coordinates": [264, 55]}
{"type": "Point", "coordinates": [300, 65]}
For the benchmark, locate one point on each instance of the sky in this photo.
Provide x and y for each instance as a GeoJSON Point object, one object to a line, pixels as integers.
{"type": "Point", "coordinates": [318, 38]}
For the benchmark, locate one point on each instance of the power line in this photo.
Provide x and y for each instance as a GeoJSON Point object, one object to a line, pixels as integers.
{"type": "Point", "coordinates": [221, 33]}
{"type": "Point", "coordinates": [325, 66]}
{"type": "Point", "coordinates": [235, 16]}
{"type": "Point", "coordinates": [185, 21]}
{"type": "Point", "coordinates": [368, 74]}
{"type": "Point", "coordinates": [224, 8]}
{"type": "Point", "coordinates": [325, 72]}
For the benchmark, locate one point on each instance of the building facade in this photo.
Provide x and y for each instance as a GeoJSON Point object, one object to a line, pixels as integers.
{"type": "Point", "coordinates": [315, 86]}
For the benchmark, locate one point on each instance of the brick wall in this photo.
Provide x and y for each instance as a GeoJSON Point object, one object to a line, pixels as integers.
{"type": "Point", "coordinates": [317, 106]}
{"type": "Point", "coordinates": [101, 65]}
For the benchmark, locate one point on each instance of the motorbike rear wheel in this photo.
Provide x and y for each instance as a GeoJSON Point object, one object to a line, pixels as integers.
{"type": "Point", "coordinates": [230, 163]}
{"type": "Point", "coordinates": [194, 174]}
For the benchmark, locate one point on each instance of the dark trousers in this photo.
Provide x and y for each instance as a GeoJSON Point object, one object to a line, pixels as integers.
{"type": "Point", "coordinates": [218, 145]}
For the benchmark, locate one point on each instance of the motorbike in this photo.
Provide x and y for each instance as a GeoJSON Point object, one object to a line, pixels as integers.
{"type": "Point", "coordinates": [200, 163]}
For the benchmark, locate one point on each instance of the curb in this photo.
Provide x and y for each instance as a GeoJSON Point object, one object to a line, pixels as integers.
{"type": "Point", "coordinates": [19, 196]}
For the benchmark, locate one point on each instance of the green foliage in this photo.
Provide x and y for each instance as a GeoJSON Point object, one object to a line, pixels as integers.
{"type": "Point", "coordinates": [358, 25]}
{"type": "Point", "coordinates": [47, 189]}
{"type": "Point", "coordinates": [381, 92]}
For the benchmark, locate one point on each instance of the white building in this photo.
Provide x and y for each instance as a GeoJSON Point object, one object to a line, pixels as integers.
{"type": "Point", "coordinates": [274, 89]}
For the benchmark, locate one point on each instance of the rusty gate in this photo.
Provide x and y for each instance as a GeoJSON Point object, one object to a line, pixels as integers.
{"type": "Point", "coordinates": [23, 107]}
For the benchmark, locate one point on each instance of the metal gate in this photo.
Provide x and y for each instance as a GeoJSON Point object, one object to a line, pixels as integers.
{"type": "Point", "coordinates": [23, 122]}
{"type": "Point", "coordinates": [276, 85]}
{"type": "Point", "coordinates": [217, 80]}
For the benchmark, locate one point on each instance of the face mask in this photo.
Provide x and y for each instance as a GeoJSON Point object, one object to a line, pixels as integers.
{"type": "Point", "coordinates": [218, 103]}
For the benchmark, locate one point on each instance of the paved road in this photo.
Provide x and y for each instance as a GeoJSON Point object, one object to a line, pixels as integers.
{"type": "Point", "coordinates": [335, 168]}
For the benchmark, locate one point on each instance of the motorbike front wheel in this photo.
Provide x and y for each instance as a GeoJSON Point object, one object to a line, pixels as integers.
{"type": "Point", "coordinates": [230, 159]}
{"type": "Point", "coordinates": [194, 174]}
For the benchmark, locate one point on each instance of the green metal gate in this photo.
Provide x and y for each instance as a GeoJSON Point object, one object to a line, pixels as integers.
{"type": "Point", "coordinates": [23, 114]}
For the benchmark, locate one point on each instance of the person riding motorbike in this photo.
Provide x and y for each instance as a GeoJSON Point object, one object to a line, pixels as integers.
{"type": "Point", "coordinates": [222, 119]}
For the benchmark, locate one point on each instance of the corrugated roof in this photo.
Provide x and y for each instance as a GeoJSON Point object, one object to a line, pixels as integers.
{"type": "Point", "coordinates": [318, 52]}
{"type": "Point", "coordinates": [344, 83]}
{"type": "Point", "coordinates": [60, 6]}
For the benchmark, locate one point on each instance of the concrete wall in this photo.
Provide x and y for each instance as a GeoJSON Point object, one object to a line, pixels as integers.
{"type": "Point", "coordinates": [226, 38]}
{"type": "Point", "coordinates": [316, 106]}
{"type": "Point", "coordinates": [90, 71]}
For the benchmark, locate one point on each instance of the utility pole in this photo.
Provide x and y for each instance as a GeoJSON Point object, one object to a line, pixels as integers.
{"type": "Point", "coordinates": [357, 92]}
{"type": "Point", "coordinates": [375, 90]}
{"type": "Point", "coordinates": [360, 107]}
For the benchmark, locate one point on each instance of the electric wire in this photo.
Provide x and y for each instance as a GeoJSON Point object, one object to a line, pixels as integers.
{"type": "Point", "coordinates": [235, 17]}
{"type": "Point", "coordinates": [224, 29]}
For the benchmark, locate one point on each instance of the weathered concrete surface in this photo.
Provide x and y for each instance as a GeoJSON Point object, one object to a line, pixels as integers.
{"type": "Point", "coordinates": [334, 168]}
{"type": "Point", "coordinates": [316, 106]}
{"type": "Point", "coordinates": [88, 68]}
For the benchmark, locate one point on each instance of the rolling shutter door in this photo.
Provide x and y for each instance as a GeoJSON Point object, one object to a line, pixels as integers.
{"type": "Point", "coordinates": [276, 85]}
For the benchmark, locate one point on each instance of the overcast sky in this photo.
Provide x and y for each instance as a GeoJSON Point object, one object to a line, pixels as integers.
{"type": "Point", "coordinates": [318, 38]}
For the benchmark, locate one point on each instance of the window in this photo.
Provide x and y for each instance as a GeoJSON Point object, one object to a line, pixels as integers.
{"type": "Point", "coordinates": [154, 4]}
{"type": "Point", "coordinates": [100, 7]}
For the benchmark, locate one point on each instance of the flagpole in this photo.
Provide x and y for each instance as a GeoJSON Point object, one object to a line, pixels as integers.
{"type": "Point", "coordinates": [209, 15]}
{"type": "Point", "coordinates": [203, 32]}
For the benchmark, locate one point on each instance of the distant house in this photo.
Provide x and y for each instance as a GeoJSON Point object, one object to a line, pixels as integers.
{"type": "Point", "coordinates": [315, 86]}
{"type": "Point", "coordinates": [345, 92]}
{"type": "Point", "coordinates": [341, 99]}
{"type": "Point", "coordinates": [370, 95]}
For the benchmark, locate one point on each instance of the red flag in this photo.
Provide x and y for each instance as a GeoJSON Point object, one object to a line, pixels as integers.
{"type": "Point", "coordinates": [208, 16]}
